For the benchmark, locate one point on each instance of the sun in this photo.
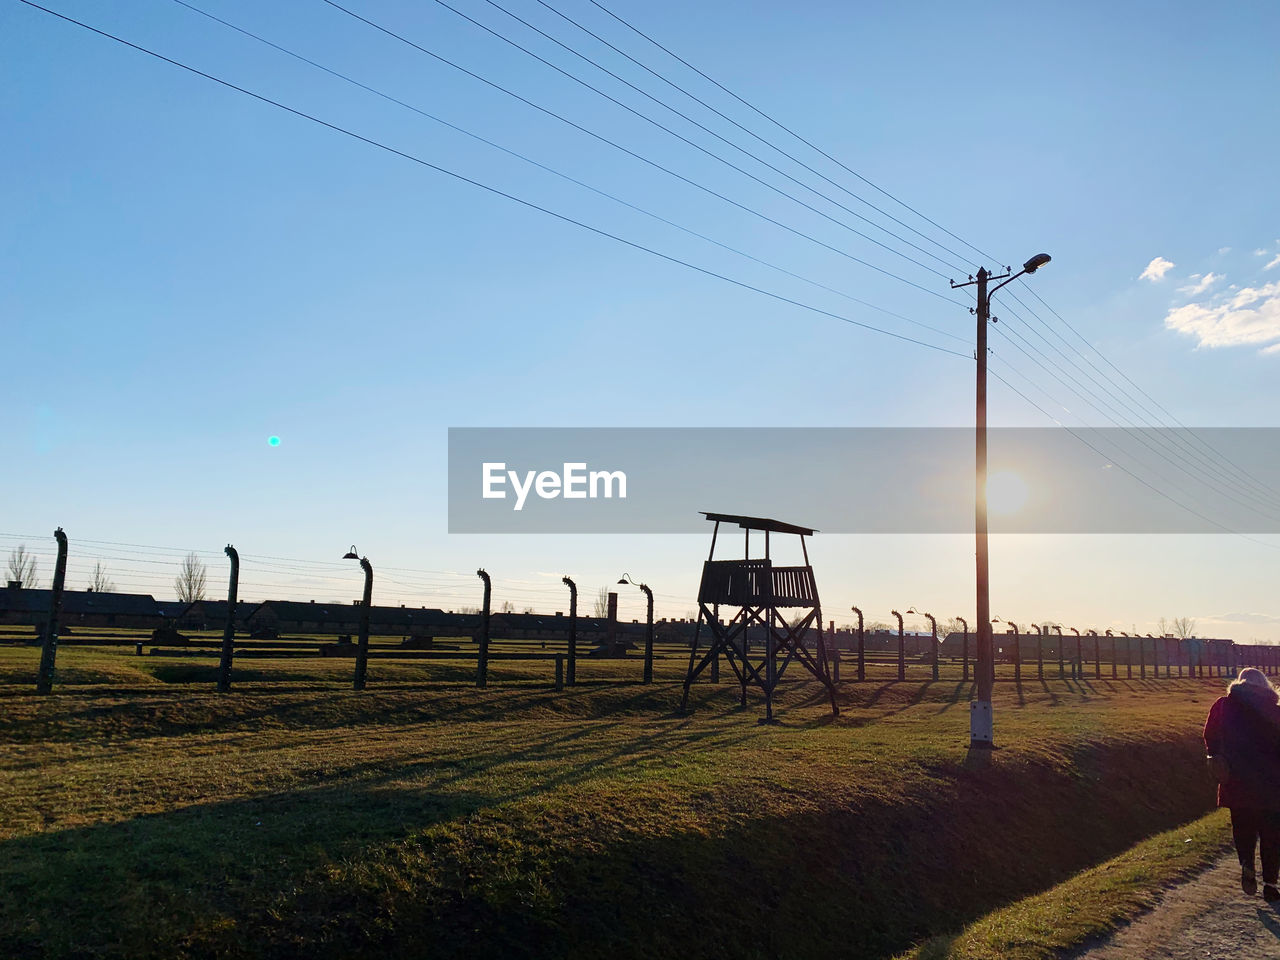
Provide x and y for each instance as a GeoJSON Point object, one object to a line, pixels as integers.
{"type": "Point", "coordinates": [1006, 492]}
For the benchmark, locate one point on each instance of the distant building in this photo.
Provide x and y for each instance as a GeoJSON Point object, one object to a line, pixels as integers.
{"type": "Point", "coordinates": [23, 607]}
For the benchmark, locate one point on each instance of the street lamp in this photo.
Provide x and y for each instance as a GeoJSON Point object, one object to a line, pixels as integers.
{"type": "Point", "coordinates": [862, 646]}
{"type": "Point", "coordinates": [902, 659]}
{"type": "Point", "coordinates": [981, 724]}
{"type": "Point", "coordinates": [933, 624]}
{"type": "Point", "coordinates": [362, 648]}
{"type": "Point", "coordinates": [648, 630]}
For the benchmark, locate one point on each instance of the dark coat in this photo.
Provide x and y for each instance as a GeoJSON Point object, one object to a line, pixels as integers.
{"type": "Point", "coordinates": [1244, 729]}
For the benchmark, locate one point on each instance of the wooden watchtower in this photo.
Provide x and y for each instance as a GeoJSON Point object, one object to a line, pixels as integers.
{"type": "Point", "coordinates": [759, 591]}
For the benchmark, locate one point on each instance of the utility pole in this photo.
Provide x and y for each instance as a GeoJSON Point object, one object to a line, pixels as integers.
{"type": "Point", "coordinates": [981, 717]}
{"type": "Point", "coordinates": [981, 721]}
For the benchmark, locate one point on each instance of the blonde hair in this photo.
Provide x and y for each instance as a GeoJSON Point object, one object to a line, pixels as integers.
{"type": "Point", "coordinates": [1252, 677]}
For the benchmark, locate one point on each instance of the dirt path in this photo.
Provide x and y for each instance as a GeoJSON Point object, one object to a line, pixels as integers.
{"type": "Point", "coordinates": [1206, 918]}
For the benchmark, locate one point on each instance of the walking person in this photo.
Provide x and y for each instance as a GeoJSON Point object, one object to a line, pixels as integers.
{"type": "Point", "coordinates": [1242, 740]}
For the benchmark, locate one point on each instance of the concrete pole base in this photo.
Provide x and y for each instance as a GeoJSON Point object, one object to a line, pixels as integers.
{"type": "Point", "coordinates": [981, 728]}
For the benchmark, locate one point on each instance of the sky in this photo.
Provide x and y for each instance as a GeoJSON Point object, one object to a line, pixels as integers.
{"type": "Point", "coordinates": [187, 271]}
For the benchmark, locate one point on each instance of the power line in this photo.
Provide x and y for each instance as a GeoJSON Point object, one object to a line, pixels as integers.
{"type": "Point", "coordinates": [798, 137]}
{"type": "Point", "coordinates": [708, 190]}
{"type": "Point", "coordinates": [703, 127]}
{"type": "Point", "coordinates": [1240, 472]}
{"type": "Point", "coordinates": [491, 189]}
{"type": "Point", "coordinates": [1126, 470]}
{"type": "Point", "coordinates": [564, 176]}
{"type": "Point", "coordinates": [766, 142]}
{"type": "Point", "coordinates": [1203, 469]}
{"type": "Point", "coordinates": [460, 177]}
{"type": "Point", "coordinates": [553, 66]}
{"type": "Point", "coordinates": [1019, 343]}
{"type": "Point", "coordinates": [683, 139]}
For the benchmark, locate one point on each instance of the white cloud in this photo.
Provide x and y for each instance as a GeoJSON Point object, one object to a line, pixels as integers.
{"type": "Point", "coordinates": [1202, 283]}
{"type": "Point", "coordinates": [1222, 251]}
{"type": "Point", "coordinates": [1248, 317]}
{"type": "Point", "coordinates": [1274, 263]}
{"type": "Point", "coordinates": [1156, 269]}
{"type": "Point", "coordinates": [1256, 618]}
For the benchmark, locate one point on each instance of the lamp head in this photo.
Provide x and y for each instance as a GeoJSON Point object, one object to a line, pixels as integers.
{"type": "Point", "coordinates": [1036, 262]}
{"type": "Point", "coordinates": [351, 554]}
{"type": "Point", "coordinates": [624, 579]}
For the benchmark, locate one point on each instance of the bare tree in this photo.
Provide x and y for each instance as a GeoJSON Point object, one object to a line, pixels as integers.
{"type": "Point", "coordinates": [948, 627]}
{"type": "Point", "coordinates": [1180, 627]}
{"type": "Point", "coordinates": [22, 566]}
{"type": "Point", "coordinates": [101, 583]}
{"type": "Point", "coordinates": [602, 603]}
{"type": "Point", "coordinates": [507, 607]}
{"type": "Point", "coordinates": [191, 580]}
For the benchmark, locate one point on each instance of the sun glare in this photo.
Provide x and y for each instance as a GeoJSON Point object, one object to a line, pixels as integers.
{"type": "Point", "coordinates": [1006, 492]}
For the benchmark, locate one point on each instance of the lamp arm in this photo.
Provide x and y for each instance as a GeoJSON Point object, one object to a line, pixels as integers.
{"type": "Point", "coordinates": [992, 292]}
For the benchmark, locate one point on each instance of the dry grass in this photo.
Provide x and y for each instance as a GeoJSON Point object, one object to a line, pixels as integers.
{"type": "Point", "coordinates": [143, 816]}
{"type": "Point", "coordinates": [1088, 905]}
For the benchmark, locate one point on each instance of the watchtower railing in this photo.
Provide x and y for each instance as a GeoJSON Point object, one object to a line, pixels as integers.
{"type": "Point", "coordinates": [756, 583]}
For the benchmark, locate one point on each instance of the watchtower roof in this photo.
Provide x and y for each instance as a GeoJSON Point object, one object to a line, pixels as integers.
{"type": "Point", "coordinates": [759, 523]}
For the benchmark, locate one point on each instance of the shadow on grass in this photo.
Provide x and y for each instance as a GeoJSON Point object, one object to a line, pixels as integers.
{"type": "Point", "coordinates": [453, 859]}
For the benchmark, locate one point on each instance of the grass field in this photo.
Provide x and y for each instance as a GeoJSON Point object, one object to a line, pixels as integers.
{"type": "Point", "coordinates": [1074, 914]}
{"type": "Point", "coordinates": [143, 815]}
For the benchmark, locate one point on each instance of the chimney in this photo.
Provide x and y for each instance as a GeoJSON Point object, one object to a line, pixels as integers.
{"type": "Point", "coordinates": [15, 584]}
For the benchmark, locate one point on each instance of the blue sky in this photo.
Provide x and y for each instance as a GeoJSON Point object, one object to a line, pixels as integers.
{"type": "Point", "coordinates": [187, 271]}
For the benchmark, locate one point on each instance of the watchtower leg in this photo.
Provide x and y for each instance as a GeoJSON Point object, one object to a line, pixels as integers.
{"type": "Point", "coordinates": [693, 654]}
{"type": "Point", "coordinates": [770, 667]}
